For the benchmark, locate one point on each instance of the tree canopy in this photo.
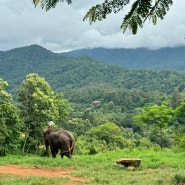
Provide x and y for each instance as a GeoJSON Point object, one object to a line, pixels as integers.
{"type": "Point", "coordinates": [140, 11]}
{"type": "Point", "coordinates": [9, 121]}
{"type": "Point", "coordinates": [157, 115]}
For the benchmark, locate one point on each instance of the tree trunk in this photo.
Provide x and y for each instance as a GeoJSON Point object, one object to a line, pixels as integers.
{"type": "Point", "coordinates": [161, 135]}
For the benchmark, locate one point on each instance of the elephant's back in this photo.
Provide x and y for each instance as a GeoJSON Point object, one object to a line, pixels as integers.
{"type": "Point", "coordinates": [68, 134]}
{"type": "Point", "coordinates": [62, 134]}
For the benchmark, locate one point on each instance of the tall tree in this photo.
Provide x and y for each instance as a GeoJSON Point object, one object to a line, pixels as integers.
{"type": "Point", "coordinates": [38, 103]}
{"type": "Point", "coordinates": [9, 121]}
{"type": "Point", "coordinates": [63, 109]}
{"type": "Point", "coordinates": [175, 98]}
{"type": "Point", "coordinates": [141, 10]}
{"type": "Point", "coordinates": [180, 113]}
{"type": "Point", "coordinates": [156, 115]}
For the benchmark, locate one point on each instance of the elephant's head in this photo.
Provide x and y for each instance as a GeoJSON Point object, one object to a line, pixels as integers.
{"type": "Point", "coordinates": [47, 132]}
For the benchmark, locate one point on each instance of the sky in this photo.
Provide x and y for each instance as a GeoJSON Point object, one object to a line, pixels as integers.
{"type": "Point", "coordinates": [62, 29]}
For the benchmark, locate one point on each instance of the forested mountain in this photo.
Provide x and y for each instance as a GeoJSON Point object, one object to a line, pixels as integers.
{"type": "Point", "coordinates": [66, 73]}
{"type": "Point", "coordinates": [164, 58]}
{"type": "Point", "coordinates": [17, 63]}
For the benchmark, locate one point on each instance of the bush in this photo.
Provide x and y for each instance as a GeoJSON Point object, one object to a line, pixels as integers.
{"type": "Point", "coordinates": [2, 152]}
{"type": "Point", "coordinates": [179, 178]}
{"type": "Point", "coordinates": [145, 143]}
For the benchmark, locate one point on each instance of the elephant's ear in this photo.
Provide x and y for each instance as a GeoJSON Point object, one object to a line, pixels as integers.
{"type": "Point", "coordinates": [47, 130]}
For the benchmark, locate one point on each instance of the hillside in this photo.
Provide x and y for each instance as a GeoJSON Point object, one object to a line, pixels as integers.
{"type": "Point", "coordinates": [67, 73]}
{"type": "Point", "coordinates": [164, 58]}
{"type": "Point", "coordinates": [17, 63]}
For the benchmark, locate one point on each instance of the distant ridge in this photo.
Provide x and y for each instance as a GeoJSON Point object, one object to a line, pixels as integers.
{"type": "Point", "coordinates": [30, 52]}
{"type": "Point", "coordinates": [164, 58]}
{"type": "Point", "coordinates": [66, 73]}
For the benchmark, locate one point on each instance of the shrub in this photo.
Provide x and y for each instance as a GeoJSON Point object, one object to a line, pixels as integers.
{"type": "Point", "coordinates": [179, 178]}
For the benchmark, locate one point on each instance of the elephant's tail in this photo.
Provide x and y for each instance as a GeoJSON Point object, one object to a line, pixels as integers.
{"type": "Point", "coordinates": [71, 147]}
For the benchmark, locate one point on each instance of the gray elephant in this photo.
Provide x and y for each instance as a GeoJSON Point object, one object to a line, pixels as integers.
{"type": "Point", "coordinates": [59, 140]}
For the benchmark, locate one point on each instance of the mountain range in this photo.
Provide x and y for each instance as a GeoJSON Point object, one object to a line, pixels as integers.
{"type": "Point", "coordinates": [67, 71]}
{"type": "Point", "coordinates": [140, 58]}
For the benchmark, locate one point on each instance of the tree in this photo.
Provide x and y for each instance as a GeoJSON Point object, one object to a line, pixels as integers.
{"type": "Point", "coordinates": [141, 10]}
{"type": "Point", "coordinates": [38, 103]}
{"type": "Point", "coordinates": [108, 132]}
{"type": "Point", "coordinates": [180, 113]}
{"type": "Point", "coordinates": [175, 98]}
{"type": "Point", "coordinates": [9, 121]}
{"type": "Point", "coordinates": [156, 115]}
{"type": "Point", "coordinates": [63, 109]}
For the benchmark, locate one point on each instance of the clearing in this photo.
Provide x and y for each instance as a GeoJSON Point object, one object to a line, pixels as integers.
{"type": "Point", "coordinates": [22, 171]}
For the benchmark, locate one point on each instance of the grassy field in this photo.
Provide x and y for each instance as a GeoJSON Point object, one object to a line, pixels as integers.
{"type": "Point", "coordinates": [166, 167]}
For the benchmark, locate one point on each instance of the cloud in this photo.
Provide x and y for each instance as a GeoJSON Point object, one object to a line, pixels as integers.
{"type": "Point", "coordinates": [63, 29]}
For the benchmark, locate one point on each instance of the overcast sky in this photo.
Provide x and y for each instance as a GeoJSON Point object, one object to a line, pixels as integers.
{"type": "Point", "coordinates": [63, 29]}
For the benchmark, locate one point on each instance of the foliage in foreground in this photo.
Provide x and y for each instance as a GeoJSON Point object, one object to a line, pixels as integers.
{"type": "Point", "coordinates": [157, 167]}
{"type": "Point", "coordinates": [140, 11]}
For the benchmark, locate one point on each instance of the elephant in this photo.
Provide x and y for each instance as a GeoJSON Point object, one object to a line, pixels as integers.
{"type": "Point", "coordinates": [59, 140]}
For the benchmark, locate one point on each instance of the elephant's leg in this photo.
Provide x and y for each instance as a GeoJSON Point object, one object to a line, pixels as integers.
{"type": "Point", "coordinates": [56, 150]}
{"type": "Point", "coordinates": [67, 154]}
{"type": "Point", "coordinates": [65, 151]}
{"type": "Point", "coordinates": [68, 151]}
{"type": "Point", "coordinates": [72, 147]}
{"type": "Point", "coordinates": [72, 150]}
{"type": "Point", "coordinates": [47, 150]}
{"type": "Point", "coordinates": [53, 154]}
{"type": "Point", "coordinates": [62, 155]}
{"type": "Point", "coordinates": [53, 151]}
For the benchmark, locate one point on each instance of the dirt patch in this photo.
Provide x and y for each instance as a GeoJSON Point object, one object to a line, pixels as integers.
{"type": "Point", "coordinates": [22, 171]}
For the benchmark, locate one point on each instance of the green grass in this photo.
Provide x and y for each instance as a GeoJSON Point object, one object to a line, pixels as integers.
{"type": "Point", "coordinates": [165, 167]}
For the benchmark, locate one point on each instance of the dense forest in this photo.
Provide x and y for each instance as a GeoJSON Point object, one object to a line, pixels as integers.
{"type": "Point", "coordinates": [107, 107]}
{"type": "Point", "coordinates": [139, 58]}
{"type": "Point", "coordinates": [65, 73]}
